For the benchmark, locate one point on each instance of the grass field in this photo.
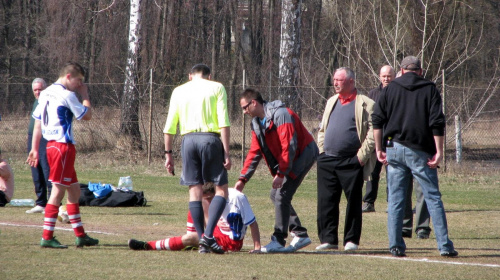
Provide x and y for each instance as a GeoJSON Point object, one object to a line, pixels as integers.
{"type": "Point", "coordinates": [471, 201]}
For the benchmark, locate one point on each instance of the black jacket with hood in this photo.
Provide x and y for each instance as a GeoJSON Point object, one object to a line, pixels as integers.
{"type": "Point", "coordinates": [410, 111]}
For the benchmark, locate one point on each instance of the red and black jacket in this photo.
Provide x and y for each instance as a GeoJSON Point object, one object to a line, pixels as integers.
{"type": "Point", "coordinates": [280, 140]}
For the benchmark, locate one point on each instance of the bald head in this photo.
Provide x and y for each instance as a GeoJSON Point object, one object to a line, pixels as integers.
{"type": "Point", "coordinates": [386, 75]}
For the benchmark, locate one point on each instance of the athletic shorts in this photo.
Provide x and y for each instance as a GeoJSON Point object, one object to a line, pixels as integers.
{"type": "Point", "coordinates": [202, 160]}
{"type": "Point", "coordinates": [61, 159]}
{"type": "Point", "coordinates": [223, 240]}
{"type": "Point", "coordinates": [3, 199]}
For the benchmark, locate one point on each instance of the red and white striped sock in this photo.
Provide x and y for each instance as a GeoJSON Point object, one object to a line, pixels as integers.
{"type": "Point", "coordinates": [49, 222]}
{"type": "Point", "coordinates": [171, 244]}
{"type": "Point", "coordinates": [74, 217]}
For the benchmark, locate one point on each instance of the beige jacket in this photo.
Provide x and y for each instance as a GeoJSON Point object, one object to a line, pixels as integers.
{"type": "Point", "coordinates": [363, 114]}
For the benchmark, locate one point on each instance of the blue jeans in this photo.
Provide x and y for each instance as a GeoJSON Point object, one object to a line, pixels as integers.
{"type": "Point", "coordinates": [404, 164]}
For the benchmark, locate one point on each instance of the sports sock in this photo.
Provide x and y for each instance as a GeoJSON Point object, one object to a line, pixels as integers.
{"type": "Point", "coordinates": [49, 221]}
{"type": "Point", "coordinates": [74, 217]}
{"type": "Point", "coordinates": [214, 211]}
{"type": "Point", "coordinates": [196, 210]}
{"type": "Point", "coordinates": [172, 244]}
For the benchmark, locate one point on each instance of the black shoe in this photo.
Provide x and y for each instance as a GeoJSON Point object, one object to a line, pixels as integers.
{"type": "Point", "coordinates": [396, 252]}
{"type": "Point", "coordinates": [406, 234]}
{"type": "Point", "coordinates": [137, 245]}
{"type": "Point", "coordinates": [450, 254]}
{"type": "Point", "coordinates": [422, 234]}
{"type": "Point", "coordinates": [211, 244]}
{"type": "Point", "coordinates": [368, 207]}
{"type": "Point", "coordinates": [203, 250]}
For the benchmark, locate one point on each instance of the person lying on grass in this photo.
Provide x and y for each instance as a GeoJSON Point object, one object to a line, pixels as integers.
{"type": "Point", "coordinates": [229, 232]}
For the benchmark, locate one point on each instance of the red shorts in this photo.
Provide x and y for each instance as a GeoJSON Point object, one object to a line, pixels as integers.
{"type": "Point", "coordinates": [222, 239]}
{"type": "Point", "coordinates": [61, 159]}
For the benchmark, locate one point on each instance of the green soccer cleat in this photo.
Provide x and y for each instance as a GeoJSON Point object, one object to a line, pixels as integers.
{"type": "Point", "coordinates": [52, 243]}
{"type": "Point", "coordinates": [86, 241]}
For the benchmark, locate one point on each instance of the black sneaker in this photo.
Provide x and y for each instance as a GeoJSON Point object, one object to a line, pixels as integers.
{"type": "Point", "coordinates": [449, 254]}
{"type": "Point", "coordinates": [406, 233]}
{"type": "Point", "coordinates": [368, 207]}
{"type": "Point", "coordinates": [396, 252]}
{"type": "Point", "coordinates": [137, 245]}
{"type": "Point", "coordinates": [203, 250]}
{"type": "Point", "coordinates": [422, 234]}
{"type": "Point", "coordinates": [211, 244]}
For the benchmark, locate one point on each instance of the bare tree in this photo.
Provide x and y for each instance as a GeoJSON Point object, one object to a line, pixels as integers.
{"type": "Point", "coordinates": [289, 68]}
{"type": "Point", "coordinates": [129, 124]}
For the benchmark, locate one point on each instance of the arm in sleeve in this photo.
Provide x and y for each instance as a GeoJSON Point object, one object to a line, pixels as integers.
{"type": "Point", "coordinates": [437, 120]}
{"type": "Point", "coordinates": [172, 117]}
{"type": "Point", "coordinates": [252, 160]}
{"type": "Point", "coordinates": [288, 140]}
{"type": "Point", "coordinates": [368, 143]}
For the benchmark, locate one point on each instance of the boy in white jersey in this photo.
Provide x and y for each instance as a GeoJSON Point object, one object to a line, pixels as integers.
{"type": "Point", "coordinates": [57, 105]}
{"type": "Point", "coordinates": [229, 232]}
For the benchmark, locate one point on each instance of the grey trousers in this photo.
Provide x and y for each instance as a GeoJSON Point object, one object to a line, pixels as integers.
{"type": "Point", "coordinates": [286, 219]}
{"type": "Point", "coordinates": [422, 216]}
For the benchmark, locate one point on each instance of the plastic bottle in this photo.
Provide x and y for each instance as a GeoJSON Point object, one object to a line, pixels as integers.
{"type": "Point", "coordinates": [389, 142]}
{"type": "Point", "coordinates": [22, 202]}
{"type": "Point", "coordinates": [125, 182]}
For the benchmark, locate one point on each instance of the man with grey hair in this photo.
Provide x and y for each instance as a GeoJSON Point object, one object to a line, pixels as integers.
{"type": "Point", "coordinates": [409, 111]}
{"type": "Point", "coordinates": [40, 173]}
{"type": "Point", "coordinates": [345, 141]}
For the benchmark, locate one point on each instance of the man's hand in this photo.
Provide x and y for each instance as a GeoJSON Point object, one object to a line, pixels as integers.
{"type": "Point", "coordinates": [381, 156]}
{"type": "Point", "coordinates": [434, 161]}
{"type": "Point", "coordinates": [32, 158]}
{"type": "Point", "coordinates": [83, 91]}
{"type": "Point", "coordinates": [227, 162]}
{"type": "Point", "coordinates": [169, 164]}
{"type": "Point", "coordinates": [239, 185]}
{"type": "Point", "coordinates": [277, 182]}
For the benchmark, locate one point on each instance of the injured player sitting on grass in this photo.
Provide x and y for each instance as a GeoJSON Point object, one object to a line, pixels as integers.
{"type": "Point", "coordinates": [229, 232]}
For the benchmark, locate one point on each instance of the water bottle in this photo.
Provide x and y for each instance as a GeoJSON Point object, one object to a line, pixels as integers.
{"type": "Point", "coordinates": [389, 142]}
{"type": "Point", "coordinates": [22, 202]}
{"type": "Point", "coordinates": [125, 183]}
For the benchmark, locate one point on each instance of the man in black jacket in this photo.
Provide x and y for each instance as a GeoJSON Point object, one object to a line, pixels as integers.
{"type": "Point", "coordinates": [409, 111]}
{"type": "Point", "coordinates": [386, 75]}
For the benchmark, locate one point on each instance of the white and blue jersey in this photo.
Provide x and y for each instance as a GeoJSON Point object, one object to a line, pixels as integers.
{"type": "Point", "coordinates": [56, 108]}
{"type": "Point", "coordinates": [237, 215]}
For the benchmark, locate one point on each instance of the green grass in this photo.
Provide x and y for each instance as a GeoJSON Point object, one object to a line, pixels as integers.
{"type": "Point", "coordinates": [472, 206]}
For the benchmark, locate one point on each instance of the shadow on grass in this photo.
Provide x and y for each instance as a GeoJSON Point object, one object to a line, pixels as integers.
{"type": "Point", "coordinates": [138, 214]}
{"type": "Point", "coordinates": [472, 210]}
{"type": "Point", "coordinates": [476, 238]}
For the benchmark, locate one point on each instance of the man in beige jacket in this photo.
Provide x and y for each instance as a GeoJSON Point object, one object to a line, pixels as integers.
{"type": "Point", "coordinates": [346, 145]}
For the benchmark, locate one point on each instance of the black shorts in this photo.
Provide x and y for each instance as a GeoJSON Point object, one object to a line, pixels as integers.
{"type": "Point", "coordinates": [3, 199]}
{"type": "Point", "coordinates": [202, 160]}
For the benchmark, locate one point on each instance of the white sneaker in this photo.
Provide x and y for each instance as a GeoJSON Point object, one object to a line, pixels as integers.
{"type": "Point", "coordinates": [273, 247]}
{"type": "Point", "coordinates": [349, 246]}
{"type": "Point", "coordinates": [36, 209]}
{"type": "Point", "coordinates": [327, 246]}
{"type": "Point", "coordinates": [300, 242]}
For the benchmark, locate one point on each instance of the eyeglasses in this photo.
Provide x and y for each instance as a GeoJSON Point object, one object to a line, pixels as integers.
{"type": "Point", "coordinates": [246, 106]}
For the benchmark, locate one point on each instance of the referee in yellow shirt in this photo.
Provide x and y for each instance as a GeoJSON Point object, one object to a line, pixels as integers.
{"type": "Point", "coordinates": [199, 107]}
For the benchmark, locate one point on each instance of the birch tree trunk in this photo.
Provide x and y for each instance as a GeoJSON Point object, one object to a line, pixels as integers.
{"type": "Point", "coordinates": [289, 67]}
{"type": "Point", "coordinates": [130, 100]}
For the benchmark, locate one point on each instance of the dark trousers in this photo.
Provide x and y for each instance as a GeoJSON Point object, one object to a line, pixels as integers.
{"type": "Point", "coordinates": [286, 219]}
{"type": "Point", "coordinates": [422, 216]}
{"type": "Point", "coordinates": [334, 176]}
{"type": "Point", "coordinates": [40, 174]}
{"type": "Point", "coordinates": [372, 186]}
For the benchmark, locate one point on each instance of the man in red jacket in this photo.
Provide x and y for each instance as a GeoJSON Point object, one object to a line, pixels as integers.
{"type": "Point", "coordinates": [289, 150]}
